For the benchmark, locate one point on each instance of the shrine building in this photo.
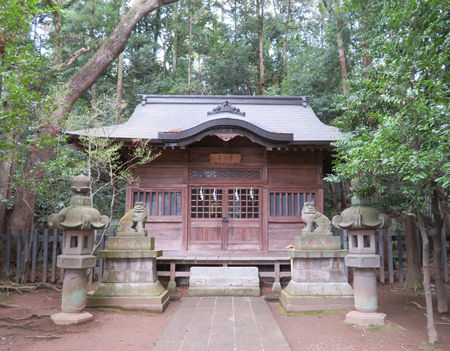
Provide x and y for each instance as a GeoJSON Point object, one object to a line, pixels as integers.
{"type": "Point", "coordinates": [231, 179]}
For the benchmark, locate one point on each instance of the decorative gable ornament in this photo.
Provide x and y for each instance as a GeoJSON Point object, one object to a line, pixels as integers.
{"type": "Point", "coordinates": [226, 107]}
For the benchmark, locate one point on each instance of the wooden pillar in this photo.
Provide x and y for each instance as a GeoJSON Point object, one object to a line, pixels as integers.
{"type": "Point", "coordinates": [277, 284]}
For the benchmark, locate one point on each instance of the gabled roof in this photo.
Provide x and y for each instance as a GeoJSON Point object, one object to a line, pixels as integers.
{"type": "Point", "coordinates": [177, 120]}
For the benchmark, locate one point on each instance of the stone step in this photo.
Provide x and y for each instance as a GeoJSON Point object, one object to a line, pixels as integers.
{"type": "Point", "coordinates": [224, 281]}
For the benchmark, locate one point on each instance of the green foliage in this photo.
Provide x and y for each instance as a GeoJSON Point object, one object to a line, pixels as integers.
{"type": "Point", "coordinates": [108, 163]}
{"type": "Point", "coordinates": [22, 77]}
{"type": "Point", "coordinates": [223, 50]}
{"type": "Point", "coordinates": [395, 119]}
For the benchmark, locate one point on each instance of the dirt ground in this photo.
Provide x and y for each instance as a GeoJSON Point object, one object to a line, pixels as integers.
{"type": "Point", "coordinates": [26, 325]}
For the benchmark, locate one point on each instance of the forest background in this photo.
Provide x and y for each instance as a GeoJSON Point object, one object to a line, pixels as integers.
{"type": "Point", "coordinates": [378, 70]}
{"type": "Point", "coordinates": [186, 47]}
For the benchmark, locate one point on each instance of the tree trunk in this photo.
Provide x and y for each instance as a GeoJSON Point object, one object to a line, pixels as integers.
{"type": "Point", "coordinates": [190, 47]}
{"type": "Point", "coordinates": [432, 334]}
{"type": "Point", "coordinates": [57, 19]}
{"type": "Point", "coordinates": [120, 71]}
{"type": "Point", "coordinates": [260, 15]}
{"type": "Point", "coordinates": [344, 201]}
{"type": "Point", "coordinates": [342, 61]}
{"type": "Point", "coordinates": [235, 20]}
{"type": "Point", "coordinates": [6, 179]}
{"type": "Point", "coordinates": [413, 278]}
{"type": "Point", "coordinates": [1, 75]}
{"type": "Point", "coordinates": [25, 196]}
{"type": "Point", "coordinates": [367, 60]}
{"type": "Point", "coordinates": [156, 24]}
{"type": "Point", "coordinates": [441, 293]}
{"type": "Point", "coordinates": [340, 42]}
{"type": "Point", "coordinates": [107, 53]}
{"type": "Point", "coordinates": [285, 42]}
{"type": "Point", "coordinates": [71, 92]}
{"type": "Point", "coordinates": [444, 210]}
{"type": "Point", "coordinates": [166, 31]}
{"type": "Point", "coordinates": [175, 42]}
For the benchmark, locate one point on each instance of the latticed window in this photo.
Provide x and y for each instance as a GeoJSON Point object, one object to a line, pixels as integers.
{"type": "Point", "coordinates": [224, 173]}
{"type": "Point", "coordinates": [243, 203]}
{"type": "Point", "coordinates": [206, 203]}
{"type": "Point", "coordinates": [284, 204]}
{"type": "Point", "coordinates": [160, 203]}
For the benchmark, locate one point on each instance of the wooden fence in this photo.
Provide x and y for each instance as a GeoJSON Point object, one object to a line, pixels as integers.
{"type": "Point", "coordinates": [35, 252]}
{"type": "Point", "coordinates": [39, 249]}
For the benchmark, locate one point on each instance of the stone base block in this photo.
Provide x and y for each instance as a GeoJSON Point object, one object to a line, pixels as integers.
{"type": "Point", "coordinates": [131, 243]}
{"type": "Point", "coordinates": [130, 253]}
{"type": "Point", "coordinates": [319, 289]}
{"type": "Point", "coordinates": [155, 304]}
{"type": "Point", "coordinates": [365, 319]}
{"type": "Point", "coordinates": [128, 289]}
{"type": "Point", "coordinates": [317, 242]}
{"type": "Point", "coordinates": [63, 318]}
{"type": "Point", "coordinates": [292, 303]}
{"type": "Point", "coordinates": [294, 253]}
{"type": "Point", "coordinates": [223, 291]}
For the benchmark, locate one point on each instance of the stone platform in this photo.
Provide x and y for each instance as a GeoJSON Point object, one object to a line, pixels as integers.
{"type": "Point", "coordinates": [222, 324]}
{"type": "Point", "coordinates": [130, 282]}
{"type": "Point", "coordinates": [318, 279]}
{"type": "Point", "coordinates": [224, 281]}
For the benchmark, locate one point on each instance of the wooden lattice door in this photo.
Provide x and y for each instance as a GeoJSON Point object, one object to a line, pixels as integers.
{"type": "Point", "coordinates": [225, 218]}
{"type": "Point", "coordinates": [243, 229]}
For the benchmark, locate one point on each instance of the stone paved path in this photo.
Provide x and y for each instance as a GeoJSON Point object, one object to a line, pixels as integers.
{"type": "Point", "coordinates": [222, 324]}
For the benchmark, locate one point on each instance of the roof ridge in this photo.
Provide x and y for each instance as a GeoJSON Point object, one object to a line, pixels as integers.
{"type": "Point", "coordinates": [300, 100]}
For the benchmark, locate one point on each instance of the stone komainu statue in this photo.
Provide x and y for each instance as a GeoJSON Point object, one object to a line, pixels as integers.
{"type": "Point", "coordinates": [315, 221]}
{"type": "Point", "coordinates": [134, 220]}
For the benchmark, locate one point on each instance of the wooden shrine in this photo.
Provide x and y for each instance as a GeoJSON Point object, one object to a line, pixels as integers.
{"type": "Point", "coordinates": [232, 177]}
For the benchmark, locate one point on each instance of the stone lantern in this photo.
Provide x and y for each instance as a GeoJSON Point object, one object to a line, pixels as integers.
{"type": "Point", "coordinates": [78, 220]}
{"type": "Point", "coordinates": [361, 221]}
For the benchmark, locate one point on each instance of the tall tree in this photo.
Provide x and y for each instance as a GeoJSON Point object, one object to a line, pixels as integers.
{"type": "Point", "coordinates": [396, 117]}
{"type": "Point", "coordinates": [72, 89]}
{"type": "Point", "coordinates": [120, 71]}
{"type": "Point", "coordinates": [286, 34]}
{"type": "Point", "coordinates": [260, 16]}
{"type": "Point", "coordinates": [335, 12]}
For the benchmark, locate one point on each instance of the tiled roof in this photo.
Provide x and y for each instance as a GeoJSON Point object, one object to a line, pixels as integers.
{"type": "Point", "coordinates": [159, 114]}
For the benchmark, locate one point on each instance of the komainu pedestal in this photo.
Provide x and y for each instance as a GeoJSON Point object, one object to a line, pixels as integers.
{"type": "Point", "coordinates": [130, 280]}
{"type": "Point", "coordinates": [318, 279]}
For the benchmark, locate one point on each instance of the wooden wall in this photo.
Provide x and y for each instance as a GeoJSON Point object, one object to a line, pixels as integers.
{"type": "Point", "coordinates": [286, 174]}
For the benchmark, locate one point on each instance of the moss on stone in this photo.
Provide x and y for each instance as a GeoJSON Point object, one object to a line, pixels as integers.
{"type": "Point", "coordinates": [308, 313]}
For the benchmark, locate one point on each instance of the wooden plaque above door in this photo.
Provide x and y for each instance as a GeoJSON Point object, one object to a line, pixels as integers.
{"type": "Point", "coordinates": [225, 158]}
